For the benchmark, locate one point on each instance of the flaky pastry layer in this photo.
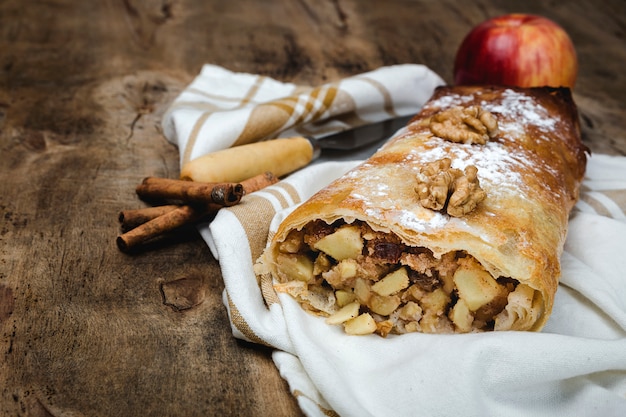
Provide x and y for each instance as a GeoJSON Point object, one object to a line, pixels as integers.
{"type": "Point", "coordinates": [384, 250]}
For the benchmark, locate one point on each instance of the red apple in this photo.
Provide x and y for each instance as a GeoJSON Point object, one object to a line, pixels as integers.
{"type": "Point", "coordinates": [517, 50]}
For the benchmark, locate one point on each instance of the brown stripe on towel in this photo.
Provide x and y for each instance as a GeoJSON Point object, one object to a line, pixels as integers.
{"type": "Point", "coordinates": [267, 290]}
{"type": "Point", "coordinates": [194, 136]}
{"type": "Point", "coordinates": [277, 194]}
{"type": "Point", "coordinates": [253, 90]}
{"type": "Point", "coordinates": [290, 190]}
{"type": "Point", "coordinates": [242, 325]}
{"type": "Point", "coordinates": [609, 203]}
{"type": "Point", "coordinates": [595, 204]}
{"type": "Point", "coordinates": [197, 105]}
{"type": "Point", "coordinates": [255, 214]}
{"type": "Point", "coordinates": [330, 93]}
{"type": "Point", "coordinates": [197, 127]}
{"type": "Point", "coordinates": [327, 412]}
{"type": "Point", "coordinates": [618, 196]}
{"type": "Point", "coordinates": [385, 93]}
{"type": "Point", "coordinates": [264, 122]}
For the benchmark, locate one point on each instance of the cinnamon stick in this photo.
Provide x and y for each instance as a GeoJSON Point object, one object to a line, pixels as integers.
{"type": "Point", "coordinates": [166, 222]}
{"type": "Point", "coordinates": [258, 182]}
{"type": "Point", "coordinates": [130, 219]}
{"type": "Point", "coordinates": [142, 225]}
{"type": "Point", "coordinates": [225, 194]}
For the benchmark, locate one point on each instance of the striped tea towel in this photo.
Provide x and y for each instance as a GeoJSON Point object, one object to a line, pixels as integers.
{"type": "Point", "coordinates": [220, 108]}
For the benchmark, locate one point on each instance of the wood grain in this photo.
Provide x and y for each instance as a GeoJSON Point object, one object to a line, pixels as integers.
{"type": "Point", "coordinates": [86, 330]}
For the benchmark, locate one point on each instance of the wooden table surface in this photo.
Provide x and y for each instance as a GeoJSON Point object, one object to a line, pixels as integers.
{"type": "Point", "coordinates": [84, 330]}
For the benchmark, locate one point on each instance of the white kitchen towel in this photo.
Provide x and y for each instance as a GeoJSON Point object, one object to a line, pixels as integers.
{"type": "Point", "coordinates": [575, 367]}
{"type": "Point", "coordinates": [221, 108]}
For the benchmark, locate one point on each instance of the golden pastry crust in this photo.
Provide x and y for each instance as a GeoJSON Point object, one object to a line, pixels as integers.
{"type": "Point", "coordinates": [530, 172]}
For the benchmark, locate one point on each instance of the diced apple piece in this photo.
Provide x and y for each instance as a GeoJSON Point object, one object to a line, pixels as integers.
{"type": "Point", "coordinates": [296, 267]}
{"type": "Point", "coordinates": [448, 282]}
{"type": "Point", "coordinates": [488, 311]}
{"type": "Point", "coordinates": [411, 311]}
{"type": "Point", "coordinates": [293, 243]}
{"type": "Point", "coordinates": [360, 325]}
{"type": "Point", "coordinates": [414, 293]}
{"type": "Point", "coordinates": [461, 316]}
{"type": "Point", "coordinates": [344, 243]}
{"type": "Point", "coordinates": [475, 285]}
{"type": "Point", "coordinates": [384, 305]}
{"type": "Point", "coordinates": [344, 297]}
{"type": "Point", "coordinates": [392, 283]}
{"type": "Point", "coordinates": [321, 264]}
{"type": "Point", "coordinates": [347, 268]}
{"type": "Point", "coordinates": [412, 327]}
{"type": "Point", "coordinates": [362, 291]}
{"type": "Point", "coordinates": [341, 275]}
{"type": "Point", "coordinates": [344, 314]}
{"type": "Point", "coordinates": [435, 302]}
{"type": "Point", "coordinates": [432, 323]}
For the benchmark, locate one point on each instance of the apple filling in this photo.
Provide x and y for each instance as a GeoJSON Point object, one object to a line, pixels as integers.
{"type": "Point", "coordinates": [371, 282]}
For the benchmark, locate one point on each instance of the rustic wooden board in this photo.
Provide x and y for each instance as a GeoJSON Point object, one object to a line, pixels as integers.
{"type": "Point", "coordinates": [84, 330]}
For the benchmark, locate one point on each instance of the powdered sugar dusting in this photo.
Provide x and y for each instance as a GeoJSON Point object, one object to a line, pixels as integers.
{"type": "Point", "coordinates": [523, 109]}
{"type": "Point", "coordinates": [519, 108]}
{"type": "Point", "coordinates": [392, 206]}
{"type": "Point", "coordinates": [412, 221]}
{"type": "Point", "coordinates": [494, 162]}
{"type": "Point", "coordinates": [449, 101]}
{"type": "Point", "coordinates": [500, 162]}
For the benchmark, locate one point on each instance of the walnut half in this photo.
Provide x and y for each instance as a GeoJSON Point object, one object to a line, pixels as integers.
{"type": "Point", "coordinates": [441, 187]}
{"type": "Point", "coordinates": [466, 193]}
{"type": "Point", "coordinates": [465, 125]}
